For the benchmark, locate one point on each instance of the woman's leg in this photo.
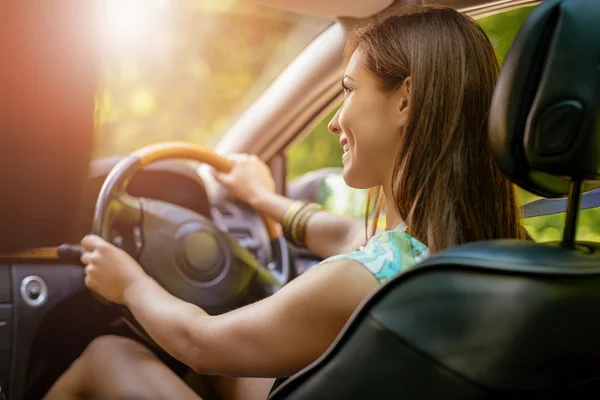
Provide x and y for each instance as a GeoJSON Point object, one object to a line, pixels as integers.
{"type": "Point", "coordinates": [113, 367]}
{"type": "Point", "coordinates": [232, 388]}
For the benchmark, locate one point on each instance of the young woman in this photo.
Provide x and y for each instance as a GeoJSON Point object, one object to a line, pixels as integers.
{"type": "Point", "coordinates": [417, 87]}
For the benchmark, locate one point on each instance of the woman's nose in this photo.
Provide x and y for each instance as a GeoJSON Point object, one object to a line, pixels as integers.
{"type": "Point", "coordinates": [334, 124]}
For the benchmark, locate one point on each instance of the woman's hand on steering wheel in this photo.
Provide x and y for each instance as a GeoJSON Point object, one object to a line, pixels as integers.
{"type": "Point", "coordinates": [249, 178]}
{"type": "Point", "coordinates": [109, 270]}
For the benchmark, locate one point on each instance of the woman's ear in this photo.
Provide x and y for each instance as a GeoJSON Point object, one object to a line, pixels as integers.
{"type": "Point", "coordinates": [404, 100]}
{"type": "Point", "coordinates": [405, 93]}
{"type": "Point", "coordinates": [403, 104]}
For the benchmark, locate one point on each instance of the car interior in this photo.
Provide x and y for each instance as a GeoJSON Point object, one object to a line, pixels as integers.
{"type": "Point", "coordinates": [498, 319]}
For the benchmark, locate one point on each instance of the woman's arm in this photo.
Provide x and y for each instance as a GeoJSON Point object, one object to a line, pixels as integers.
{"type": "Point", "coordinates": [273, 337]}
{"type": "Point", "coordinates": [327, 234]}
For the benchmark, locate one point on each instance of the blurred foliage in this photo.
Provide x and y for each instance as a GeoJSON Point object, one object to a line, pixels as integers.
{"type": "Point", "coordinates": [502, 28]}
{"type": "Point", "coordinates": [321, 149]}
{"type": "Point", "coordinates": [336, 196]}
{"type": "Point", "coordinates": [186, 70]}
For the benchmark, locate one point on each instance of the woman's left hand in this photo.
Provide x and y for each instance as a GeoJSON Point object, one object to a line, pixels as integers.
{"type": "Point", "coordinates": [109, 270]}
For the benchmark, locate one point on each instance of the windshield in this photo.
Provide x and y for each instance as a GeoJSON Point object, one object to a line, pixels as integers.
{"type": "Point", "coordinates": [185, 70]}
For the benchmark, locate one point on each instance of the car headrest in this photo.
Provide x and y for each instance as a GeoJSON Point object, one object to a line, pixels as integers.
{"type": "Point", "coordinates": [544, 123]}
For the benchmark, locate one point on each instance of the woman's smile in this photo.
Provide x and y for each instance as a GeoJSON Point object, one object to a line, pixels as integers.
{"type": "Point", "coordinates": [345, 147]}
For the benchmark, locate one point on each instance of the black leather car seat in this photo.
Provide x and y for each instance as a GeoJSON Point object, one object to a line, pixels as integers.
{"type": "Point", "coordinates": [507, 318]}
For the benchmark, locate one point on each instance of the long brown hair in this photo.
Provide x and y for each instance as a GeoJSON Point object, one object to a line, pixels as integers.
{"type": "Point", "coordinates": [446, 186]}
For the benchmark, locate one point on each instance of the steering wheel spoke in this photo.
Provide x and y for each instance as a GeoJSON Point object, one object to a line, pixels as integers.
{"type": "Point", "coordinates": [126, 209]}
{"type": "Point", "coordinates": [122, 217]}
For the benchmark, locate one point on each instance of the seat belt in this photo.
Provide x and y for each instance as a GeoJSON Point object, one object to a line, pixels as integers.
{"type": "Point", "coordinates": [541, 207]}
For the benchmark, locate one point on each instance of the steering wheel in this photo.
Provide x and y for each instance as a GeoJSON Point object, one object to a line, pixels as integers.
{"type": "Point", "coordinates": [182, 250]}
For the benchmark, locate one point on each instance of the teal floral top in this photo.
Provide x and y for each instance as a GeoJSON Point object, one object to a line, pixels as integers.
{"type": "Point", "coordinates": [388, 253]}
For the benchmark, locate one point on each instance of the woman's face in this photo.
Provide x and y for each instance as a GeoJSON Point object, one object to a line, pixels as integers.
{"type": "Point", "coordinates": [369, 124]}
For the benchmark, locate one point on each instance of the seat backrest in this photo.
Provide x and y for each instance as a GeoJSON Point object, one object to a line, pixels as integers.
{"type": "Point", "coordinates": [507, 318]}
{"type": "Point", "coordinates": [48, 85]}
{"type": "Point", "coordinates": [491, 319]}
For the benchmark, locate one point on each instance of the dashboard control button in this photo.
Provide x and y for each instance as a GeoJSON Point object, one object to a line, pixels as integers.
{"type": "Point", "coordinates": [34, 290]}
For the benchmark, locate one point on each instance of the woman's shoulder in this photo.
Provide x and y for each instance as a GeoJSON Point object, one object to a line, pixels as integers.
{"type": "Point", "coordinates": [388, 253]}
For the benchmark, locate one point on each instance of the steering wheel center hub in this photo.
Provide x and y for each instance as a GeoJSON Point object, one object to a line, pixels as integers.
{"type": "Point", "coordinates": [200, 253]}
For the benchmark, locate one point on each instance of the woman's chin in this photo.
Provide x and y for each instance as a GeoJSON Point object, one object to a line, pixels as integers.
{"type": "Point", "coordinates": [354, 178]}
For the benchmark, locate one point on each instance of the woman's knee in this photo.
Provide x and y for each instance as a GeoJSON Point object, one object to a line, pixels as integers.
{"type": "Point", "coordinates": [110, 348]}
{"type": "Point", "coordinates": [110, 367]}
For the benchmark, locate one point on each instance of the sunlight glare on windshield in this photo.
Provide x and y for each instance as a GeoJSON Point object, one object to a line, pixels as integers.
{"type": "Point", "coordinates": [186, 69]}
{"type": "Point", "coordinates": [134, 25]}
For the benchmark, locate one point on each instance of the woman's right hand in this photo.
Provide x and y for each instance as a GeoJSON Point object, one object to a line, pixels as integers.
{"type": "Point", "coordinates": [249, 179]}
